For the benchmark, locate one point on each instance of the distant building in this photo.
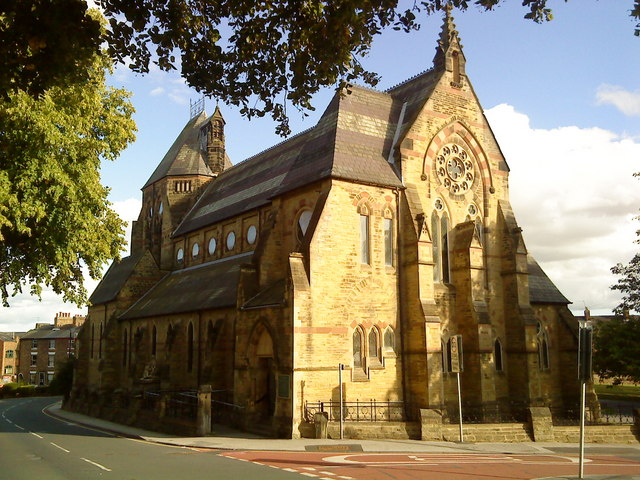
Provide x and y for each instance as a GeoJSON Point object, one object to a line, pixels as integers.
{"type": "Point", "coordinates": [42, 349]}
{"type": "Point", "coordinates": [9, 356]}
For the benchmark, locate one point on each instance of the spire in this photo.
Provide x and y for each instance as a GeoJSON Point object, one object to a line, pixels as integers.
{"type": "Point", "coordinates": [449, 50]}
{"type": "Point", "coordinates": [215, 144]}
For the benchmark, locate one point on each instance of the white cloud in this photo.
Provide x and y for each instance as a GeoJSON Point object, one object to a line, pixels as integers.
{"type": "Point", "coordinates": [574, 195]}
{"type": "Point", "coordinates": [156, 91]}
{"type": "Point", "coordinates": [625, 101]}
{"type": "Point", "coordinates": [26, 310]}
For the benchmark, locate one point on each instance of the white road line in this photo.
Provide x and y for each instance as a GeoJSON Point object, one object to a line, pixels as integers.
{"type": "Point", "coordinates": [345, 478]}
{"type": "Point", "coordinates": [18, 426]}
{"type": "Point", "coordinates": [96, 464]}
{"type": "Point", "coordinates": [326, 473]}
{"type": "Point", "coordinates": [308, 474]}
{"type": "Point", "coordinates": [290, 470]}
{"type": "Point", "coordinates": [36, 435]}
{"type": "Point", "coordinates": [61, 448]}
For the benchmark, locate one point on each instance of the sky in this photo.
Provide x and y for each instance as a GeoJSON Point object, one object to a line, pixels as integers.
{"type": "Point", "coordinates": [563, 99]}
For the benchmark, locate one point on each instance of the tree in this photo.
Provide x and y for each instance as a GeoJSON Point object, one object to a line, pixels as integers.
{"type": "Point", "coordinates": [616, 349]}
{"type": "Point", "coordinates": [260, 56]}
{"type": "Point", "coordinates": [629, 283]}
{"type": "Point", "coordinates": [54, 213]}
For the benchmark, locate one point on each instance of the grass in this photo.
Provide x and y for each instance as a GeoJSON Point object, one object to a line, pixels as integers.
{"type": "Point", "coordinates": [618, 392]}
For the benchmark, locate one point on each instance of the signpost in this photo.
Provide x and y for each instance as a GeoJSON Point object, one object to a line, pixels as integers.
{"type": "Point", "coordinates": [340, 368]}
{"type": "Point", "coordinates": [584, 375]}
{"type": "Point", "coordinates": [456, 362]}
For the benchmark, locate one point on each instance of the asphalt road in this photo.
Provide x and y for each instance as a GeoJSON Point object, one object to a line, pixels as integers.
{"type": "Point", "coordinates": [34, 446]}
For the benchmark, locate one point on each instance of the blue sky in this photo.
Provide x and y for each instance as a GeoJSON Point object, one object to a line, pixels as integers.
{"type": "Point", "coordinates": [563, 99]}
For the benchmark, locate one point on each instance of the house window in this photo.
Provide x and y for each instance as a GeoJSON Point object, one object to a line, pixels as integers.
{"type": "Point", "coordinates": [364, 238]}
{"type": "Point", "coordinates": [497, 352]}
{"type": "Point", "coordinates": [212, 246]}
{"type": "Point", "coordinates": [8, 370]}
{"type": "Point", "coordinates": [357, 348]}
{"type": "Point", "coordinates": [231, 241]}
{"type": "Point", "coordinates": [34, 343]}
{"type": "Point", "coordinates": [388, 242]}
{"type": "Point", "coordinates": [52, 344]}
{"type": "Point", "coordinates": [389, 340]}
{"type": "Point", "coordinates": [9, 354]}
{"type": "Point", "coordinates": [154, 340]}
{"type": "Point", "coordinates": [190, 347]}
{"type": "Point", "coordinates": [51, 361]}
{"type": "Point", "coordinates": [303, 224]}
{"type": "Point", "coordinates": [543, 348]}
{"type": "Point", "coordinates": [252, 234]}
{"type": "Point", "coordinates": [32, 378]}
{"type": "Point", "coordinates": [49, 378]}
{"type": "Point", "coordinates": [34, 360]}
{"type": "Point", "coordinates": [125, 347]}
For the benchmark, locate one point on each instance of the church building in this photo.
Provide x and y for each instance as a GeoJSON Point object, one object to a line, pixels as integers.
{"type": "Point", "coordinates": [380, 239]}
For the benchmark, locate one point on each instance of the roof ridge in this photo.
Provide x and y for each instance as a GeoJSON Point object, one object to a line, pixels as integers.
{"type": "Point", "coordinates": [272, 147]}
{"type": "Point", "coordinates": [424, 72]}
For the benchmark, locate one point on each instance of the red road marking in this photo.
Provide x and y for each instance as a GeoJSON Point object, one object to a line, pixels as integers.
{"type": "Point", "coordinates": [410, 466]}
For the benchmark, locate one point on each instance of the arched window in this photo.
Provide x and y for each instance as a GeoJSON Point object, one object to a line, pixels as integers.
{"type": "Point", "coordinates": [125, 347]}
{"type": "Point", "coordinates": [497, 354]}
{"type": "Point", "coordinates": [93, 339]}
{"type": "Point", "coordinates": [444, 232]}
{"type": "Point", "coordinates": [357, 348]}
{"type": "Point", "coordinates": [364, 235]}
{"type": "Point", "coordinates": [444, 354]}
{"type": "Point", "coordinates": [190, 347]}
{"type": "Point", "coordinates": [100, 342]}
{"type": "Point", "coordinates": [154, 340]}
{"type": "Point", "coordinates": [435, 239]}
{"type": "Point", "coordinates": [388, 241]}
{"type": "Point", "coordinates": [389, 340]}
{"type": "Point", "coordinates": [374, 351]}
{"type": "Point", "coordinates": [543, 348]}
{"type": "Point", "coordinates": [455, 57]}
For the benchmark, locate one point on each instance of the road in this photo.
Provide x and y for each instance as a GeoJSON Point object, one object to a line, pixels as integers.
{"type": "Point", "coordinates": [34, 445]}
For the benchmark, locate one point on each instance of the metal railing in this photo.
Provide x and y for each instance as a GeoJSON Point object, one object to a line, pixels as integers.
{"type": "Point", "coordinates": [513, 412]}
{"type": "Point", "coordinates": [223, 410]}
{"type": "Point", "coordinates": [178, 403]}
{"type": "Point", "coordinates": [358, 411]}
{"type": "Point", "coordinates": [610, 415]}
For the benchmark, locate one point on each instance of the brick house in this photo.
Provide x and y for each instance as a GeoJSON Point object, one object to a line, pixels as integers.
{"type": "Point", "coordinates": [43, 349]}
{"type": "Point", "coordinates": [9, 356]}
{"type": "Point", "coordinates": [370, 240]}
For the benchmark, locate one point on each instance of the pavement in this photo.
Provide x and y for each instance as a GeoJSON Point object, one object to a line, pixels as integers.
{"type": "Point", "coordinates": [226, 438]}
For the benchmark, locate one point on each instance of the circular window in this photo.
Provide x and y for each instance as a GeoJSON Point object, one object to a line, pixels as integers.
{"type": "Point", "coordinates": [303, 223]}
{"type": "Point", "coordinates": [473, 210]}
{"type": "Point", "coordinates": [195, 250]}
{"type": "Point", "coordinates": [252, 234]}
{"type": "Point", "coordinates": [231, 240]}
{"type": "Point", "coordinates": [454, 168]}
{"type": "Point", "coordinates": [180, 255]}
{"type": "Point", "coordinates": [212, 246]}
{"type": "Point", "coordinates": [438, 204]}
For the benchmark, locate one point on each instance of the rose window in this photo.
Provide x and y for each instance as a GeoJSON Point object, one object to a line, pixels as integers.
{"type": "Point", "coordinates": [454, 168]}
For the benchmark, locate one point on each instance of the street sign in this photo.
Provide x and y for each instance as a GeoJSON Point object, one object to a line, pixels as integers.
{"type": "Point", "coordinates": [584, 354]}
{"type": "Point", "coordinates": [456, 353]}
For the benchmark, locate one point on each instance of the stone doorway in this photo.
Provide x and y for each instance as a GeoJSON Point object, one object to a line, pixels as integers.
{"type": "Point", "coordinates": [264, 369]}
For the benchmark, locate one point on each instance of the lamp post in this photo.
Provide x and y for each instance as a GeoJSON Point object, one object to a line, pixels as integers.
{"type": "Point", "coordinates": [584, 374]}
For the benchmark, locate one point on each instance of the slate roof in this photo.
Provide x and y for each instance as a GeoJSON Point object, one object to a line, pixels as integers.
{"type": "Point", "coordinates": [541, 288]}
{"type": "Point", "coordinates": [50, 332]}
{"type": "Point", "coordinates": [272, 295]}
{"type": "Point", "coordinates": [184, 157]}
{"type": "Point", "coordinates": [352, 141]}
{"type": "Point", "coordinates": [202, 287]}
{"type": "Point", "coordinates": [9, 337]}
{"type": "Point", "coordinates": [114, 279]}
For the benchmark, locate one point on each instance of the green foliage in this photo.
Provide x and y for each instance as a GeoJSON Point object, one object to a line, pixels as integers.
{"type": "Point", "coordinates": [63, 379]}
{"type": "Point", "coordinates": [629, 283]}
{"type": "Point", "coordinates": [259, 55]}
{"type": "Point", "coordinates": [616, 350]}
{"type": "Point", "coordinates": [54, 213]}
{"type": "Point", "coordinates": [618, 392]}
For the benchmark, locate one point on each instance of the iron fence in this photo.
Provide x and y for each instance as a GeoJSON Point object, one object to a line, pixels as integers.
{"type": "Point", "coordinates": [223, 410]}
{"type": "Point", "coordinates": [358, 411]}
{"type": "Point", "coordinates": [610, 415]}
{"type": "Point", "coordinates": [513, 412]}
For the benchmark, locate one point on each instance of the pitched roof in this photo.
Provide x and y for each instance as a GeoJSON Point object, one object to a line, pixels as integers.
{"type": "Point", "coordinates": [114, 279]}
{"type": "Point", "coordinates": [351, 141]}
{"type": "Point", "coordinates": [202, 287]}
{"type": "Point", "coordinates": [541, 288]}
{"type": "Point", "coordinates": [184, 157]}
{"type": "Point", "coordinates": [271, 296]}
{"type": "Point", "coordinates": [50, 332]}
